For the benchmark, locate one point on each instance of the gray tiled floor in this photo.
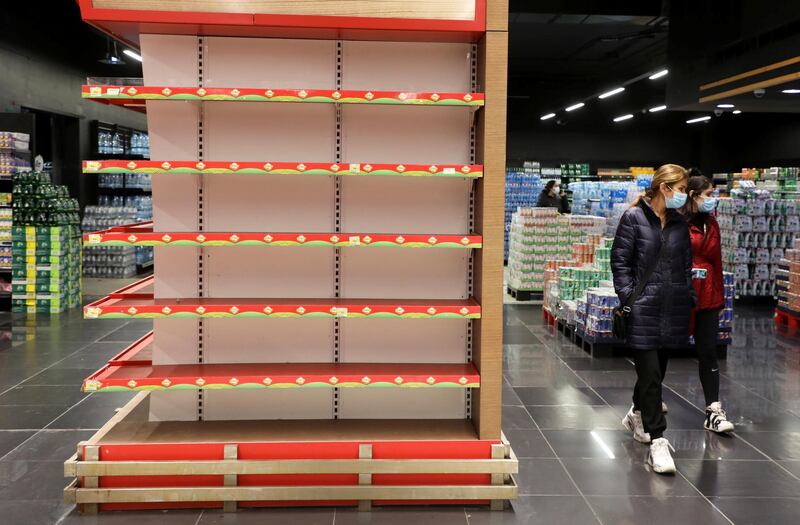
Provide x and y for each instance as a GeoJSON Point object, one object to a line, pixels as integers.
{"type": "Point", "coordinates": [561, 413]}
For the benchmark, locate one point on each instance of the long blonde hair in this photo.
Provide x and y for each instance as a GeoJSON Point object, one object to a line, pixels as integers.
{"type": "Point", "coordinates": [668, 174]}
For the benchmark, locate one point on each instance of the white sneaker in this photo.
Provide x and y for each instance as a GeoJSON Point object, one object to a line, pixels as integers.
{"type": "Point", "coordinates": [633, 422]}
{"type": "Point", "coordinates": [664, 407]}
{"type": "Point", "coordinates": [659, 457]}
{"type": "Point", "coordinates": [716, 420]}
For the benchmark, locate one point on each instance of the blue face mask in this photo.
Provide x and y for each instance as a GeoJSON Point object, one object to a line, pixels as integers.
{"type": "Point", "coordinates": [708, 205]}
{"type": "Point", "coordinates": [677, 200]}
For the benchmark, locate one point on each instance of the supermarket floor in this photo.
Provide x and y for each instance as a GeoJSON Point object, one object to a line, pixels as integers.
{"type": "Point", "coordinates": [561, 413]}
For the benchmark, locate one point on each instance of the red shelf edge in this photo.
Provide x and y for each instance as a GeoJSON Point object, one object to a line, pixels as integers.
{"type": "Point", "coordinates": [142, 234]}
{"type": "Point", "coordinates": [125, 94]}
{"type": "Point", "coordinates": [281, 375]}
{"type": "Point", "coordinates": [122, 304]}
{"type": "Point", "coordinates": [282, 168]}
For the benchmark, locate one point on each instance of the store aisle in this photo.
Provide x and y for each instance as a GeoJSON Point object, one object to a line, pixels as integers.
{"type": "Point", "coordinates": [561, 413]}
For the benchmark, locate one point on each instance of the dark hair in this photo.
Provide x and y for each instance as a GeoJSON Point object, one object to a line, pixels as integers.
{"type": "Point", "coordinates": [698, 183]}
{"type": "Point", "coordinates": [549, 185]}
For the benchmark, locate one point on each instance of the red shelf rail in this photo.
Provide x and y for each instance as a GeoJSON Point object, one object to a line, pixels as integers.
{"type": "Point", "coordinates": [132, 377]}
{"type": "Point", "coordinates": [142, 234]}
{"type": "Point", "coordinates": [282, 168]}
{"type": "Point", "coordinates": [132, 302]}
{"type": "Point", "coordinates": [125, 94]}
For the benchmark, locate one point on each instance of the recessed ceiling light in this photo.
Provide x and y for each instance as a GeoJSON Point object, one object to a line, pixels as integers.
{"type": "Point", "coordinates": [659, 74]}
{"type": "Point", "coordinates": [791, 91]}
{"type": "Point", "coordinates": [133, 55]}
{"type": "Point", "coordinates": [737, 111]}
{"type": "Point", "coordinates": [698, 119]}
{"type": "Point", "coordinates": [573, 107]}
{"type": "Point", "coordinates": [725, 106]}
{"type": "Point", "coordinates": [548, 116]}
{"type": "Point", "coordinates": [657, 108]}
{"type": "Point", "coordinates": [612, 92]}
{"type": "Point", "coordinates": [623, 117]}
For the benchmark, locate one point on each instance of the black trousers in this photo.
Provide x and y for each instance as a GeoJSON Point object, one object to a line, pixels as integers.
{"type": "Point", "coordinates": [651, 366]}
{"type": "Point", "coordinates": [706, 326]}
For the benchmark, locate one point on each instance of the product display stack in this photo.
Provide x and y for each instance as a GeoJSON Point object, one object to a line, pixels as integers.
{"type": "Point", "coordinates": [787, 312]}
{"type": "Point", "coordinates": [327, 225]}
{"type": "Point", "coordinates": [46, 272]}
{"type": "Point", "coordinates": [14, 157]}
{"type": "Point", "coordinates": [756, 229]}
{"type": "Point", "coordinates": [108, 261]}
{"type": "Point", "coordinates": [523, 186]}
{"type": "Point", "coordinates": [540, 235]}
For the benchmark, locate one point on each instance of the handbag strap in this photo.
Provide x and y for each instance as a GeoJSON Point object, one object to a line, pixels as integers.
{"type": "Point", "coordinates": [646, 277]}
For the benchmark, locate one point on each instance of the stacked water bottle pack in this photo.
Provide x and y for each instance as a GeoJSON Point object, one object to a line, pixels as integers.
{"type": "Point", "coordinates": [108, 261]}
{"type": "Point", "coordinates": [523, 186]}
{"type": "Point", "coordinates": [142, 181]}
{"type": "Point", "coordinates": [788, 279]}
{"type": "Point", "coordinates": [756, 230]}
{"type": "Point", "coordinates": [539, 235]}
{"type": "Point", "coordinates": [46, 275]}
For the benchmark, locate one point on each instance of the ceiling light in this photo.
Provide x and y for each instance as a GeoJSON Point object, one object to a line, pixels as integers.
{"type": "Point", "coordinates": [657, 108]}
{"type": "Point", "coordinates": [791, 91]}
{"type": "Point", "coordinates": [612, 92]}
{"type": "Point", "coordinates": [737, 111]}
{"type": "Point", "coordinates": [548, 116]}
{"type": "Point", "coordinates": [659, 74]}
{"type": "Point", "coordinates": [133, 55]}
{"type": "Point", "coordinates": [623, 117]}
{"type": "Point", "coordinates": [725, 106]}
{"type": "Point", "coordinates": [698, 119]}
{"type": "Point", "coordinates": [573, 107]}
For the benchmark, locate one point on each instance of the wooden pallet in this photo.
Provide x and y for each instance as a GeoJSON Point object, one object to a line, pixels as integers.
{"type": "Point", "coordinates": [787, 320]}
{"type": "Point", "coordinates": [597, 348]}
{"type": "Point", "coordinates": [524, 295]}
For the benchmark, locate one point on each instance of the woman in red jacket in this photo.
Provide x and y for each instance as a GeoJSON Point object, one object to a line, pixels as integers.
{"type": "Point", "coordinates": [708, 285]}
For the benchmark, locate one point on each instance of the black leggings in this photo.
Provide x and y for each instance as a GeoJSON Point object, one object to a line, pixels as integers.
{"type": "Point", "coordinates": [651, 366]}
{"type": "Point", "coordinates": [706, 326]}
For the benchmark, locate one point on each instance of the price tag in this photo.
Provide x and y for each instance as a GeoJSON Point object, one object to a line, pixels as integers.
{"type": "Point", "coordinates": [449, 171]}
{"type": "Point", "coordinates": [354, 240]}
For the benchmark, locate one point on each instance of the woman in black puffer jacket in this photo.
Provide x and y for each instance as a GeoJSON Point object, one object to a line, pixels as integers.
{"type": "Point", "coordinates": [659, 318]}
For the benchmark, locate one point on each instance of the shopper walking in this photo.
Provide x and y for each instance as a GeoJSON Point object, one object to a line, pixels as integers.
{"type": "Point", "coordinates": [709, 288]}
{"type": "Point", "coordinates": [551, 197]}
{"type": "Point", "coordinates": [651, 260]}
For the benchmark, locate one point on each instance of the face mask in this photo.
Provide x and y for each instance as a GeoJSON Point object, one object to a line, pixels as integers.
{"type": "Point", "coordinates": [677, 200]}
{"type": "Point", "coordinates": [708, 205]}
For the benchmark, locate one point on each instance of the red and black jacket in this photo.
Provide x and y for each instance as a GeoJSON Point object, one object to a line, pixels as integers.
{"type": "Point", "coordinates": [707, 254]}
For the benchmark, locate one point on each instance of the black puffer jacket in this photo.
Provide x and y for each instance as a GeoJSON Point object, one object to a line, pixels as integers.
{"type": "Point", "coordinates": [660, 316]}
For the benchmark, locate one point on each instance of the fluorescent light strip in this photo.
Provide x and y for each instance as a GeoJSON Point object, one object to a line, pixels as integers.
{"type": "Point", "coordinates": [791, 91]}
{"type": "Point", "coordinates": [698, 119]}
{"type": "Point", "coordinates": [612, 92]}
{"type": "Point", "coordinates": [737, 111]}
{"type": "Point", "coordinates": [657, 109]}
{"type": "Point", "coordinates": [726, 106]}
{"type": "Point", "coordinates": [573, 107]}
{"type": "Point", "coordinates": [623, 117]}
{"type": "Point", "coordinates": [133, 55]}
{"type": "Point", "coordinates": [548, 116]}
{"type": "Point", "coordinates": [659, 74]}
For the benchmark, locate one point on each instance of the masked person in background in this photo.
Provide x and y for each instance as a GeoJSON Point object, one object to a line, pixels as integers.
{"type": "Point", "coordinates": [708, 285]}
{"type": "Point", "coordinates": [551, 198]}
{"type": "Point", "coordinates": [651, 260]}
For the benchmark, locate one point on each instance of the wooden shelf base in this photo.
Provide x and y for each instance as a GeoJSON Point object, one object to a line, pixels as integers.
{"type": "Point", "coordinates": [154, 465]}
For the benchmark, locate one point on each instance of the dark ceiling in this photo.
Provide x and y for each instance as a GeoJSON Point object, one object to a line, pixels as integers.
{"type": "Point", "coordinates": [560, 50]}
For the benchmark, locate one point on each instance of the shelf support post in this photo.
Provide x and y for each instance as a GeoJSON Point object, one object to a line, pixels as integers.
{"type": "Point", "coordinates": [498, 452]}
{"type": "Point", "coordinates": [364, 453]}
{"type": "Point", "coordinates": [231, 453]}
{"type": "Point", "coordinates": [90, 453]}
